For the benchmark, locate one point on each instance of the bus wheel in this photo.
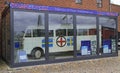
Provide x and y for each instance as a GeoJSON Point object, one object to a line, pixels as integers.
{"type": "Point", "coordinates": [37, 53]}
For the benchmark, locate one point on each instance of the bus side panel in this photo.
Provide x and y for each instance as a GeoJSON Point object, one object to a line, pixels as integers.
{"type": "Point", "coordinates": [57, 48]}
{"type": "Point", "coordinates": [28, 45]}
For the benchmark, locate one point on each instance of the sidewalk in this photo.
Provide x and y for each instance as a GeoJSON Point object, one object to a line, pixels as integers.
{"type": "Point", "coordinates": [102, 65]}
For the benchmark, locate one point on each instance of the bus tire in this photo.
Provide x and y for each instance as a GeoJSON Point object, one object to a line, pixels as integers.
{"type": "Point", "coordinates": [37, 53]}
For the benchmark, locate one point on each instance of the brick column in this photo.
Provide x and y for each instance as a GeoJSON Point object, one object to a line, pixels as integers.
{"type": "Point", "coordinates": [1, 8]}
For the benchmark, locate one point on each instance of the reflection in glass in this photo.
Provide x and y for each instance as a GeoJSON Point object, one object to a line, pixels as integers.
{"type": "Point", "coordinates": [107, 32]}
{"type": "Point", "coordinates": [28, 33]}
{"type": "Point", "coordinates": [29, 36]}
{"type": "Point", "coordinates": [61, 32]}
{"type": "Point", "coordinates": [38, 33]}
{"type": "Point", "coordinates": [86, 35]}
{"type": "Point", "coordinates": [61, 44]}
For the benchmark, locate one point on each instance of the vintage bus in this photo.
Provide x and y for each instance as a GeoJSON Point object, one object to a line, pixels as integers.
{"type": "Point", "coordinates": [60, 39]}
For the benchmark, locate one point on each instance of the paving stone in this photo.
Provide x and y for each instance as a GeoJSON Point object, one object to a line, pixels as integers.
{"type": "Point", "coordinates": [101, 65]}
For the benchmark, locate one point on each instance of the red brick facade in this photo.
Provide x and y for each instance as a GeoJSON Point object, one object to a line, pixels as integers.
{"type": "Point", "coordinates": [116, 8]}
{"type": "Point", "coordinates": [86, 4]}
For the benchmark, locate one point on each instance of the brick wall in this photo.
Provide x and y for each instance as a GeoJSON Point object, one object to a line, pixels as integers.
{"type": "Point", "coordinates": [118, 23]}
{"type": "Point", "coordinates": [0, 36]}
{"type": "Point", "coordinates": [116, 8]}
{"type": "Point", "coordinates": [0, 33]}
{"type": "Point", "coordinates": [86, 4]}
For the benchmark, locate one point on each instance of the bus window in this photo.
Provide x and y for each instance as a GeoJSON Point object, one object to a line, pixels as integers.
{"type": "Point", "coordinates": [70, 32]}
{"type": "Point", "coordinates": [38, 33]}
{"type": "Point", "coordinates": [61, 32]}
{"type": "Point", "coordinates": [82, 32]}
{"type": "Point", "coordinates": [92, 32]}
{"type": "Point", "coordinates": [51, 33]}
{"type": "Point", "coordinates": [28, 33]}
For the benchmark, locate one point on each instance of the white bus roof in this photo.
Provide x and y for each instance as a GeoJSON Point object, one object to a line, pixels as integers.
{"type": "Point", "coordinates": [62, 27]}
{"type": "Point", "coordinates": [35, 27]}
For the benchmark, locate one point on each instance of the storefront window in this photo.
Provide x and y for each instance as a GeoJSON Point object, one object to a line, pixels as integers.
{"type": "Point", "coordinates": [29, 36]}
{"type": "Point", "coordinates": [61, 44]}
{"type": "Point", "coordinates": [33, 34]}
{"type": "Point", "coordinates": [107, 34]}
{"type": "Point", "coordinates": [86, 35]}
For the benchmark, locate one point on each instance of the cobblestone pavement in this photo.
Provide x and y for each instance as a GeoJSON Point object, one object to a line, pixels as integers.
{"type": "Point", "coordinates": [102, 65]}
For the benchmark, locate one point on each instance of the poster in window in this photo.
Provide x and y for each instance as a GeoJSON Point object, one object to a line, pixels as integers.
{"type": "Point", "coordinates": [85, 47]}
{"type": "Point", "coordinates": [84, 50]}
{"type": "Point", "coordinates": [22, 56]}
{"type": "Point", "coordinates": [107, 46]}
{"type": "Point", "coordinates": [105, 49]}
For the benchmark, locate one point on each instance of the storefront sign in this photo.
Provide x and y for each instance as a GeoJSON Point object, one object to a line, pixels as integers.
{"type": "Point", "coordinates": [60, 9]}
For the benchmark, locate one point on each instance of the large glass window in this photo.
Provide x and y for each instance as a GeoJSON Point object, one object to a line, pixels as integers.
{"type": "Point", "coordinates": [61, 44]}
{"type": "Point", "coordinates": [86, 35]}
{"type": "Point", "coordinates": [107, 35]}
{"type": "Point", "coordinates": [38, 33]}
{"type": "Point", "coordinates": [29, 36]}
{"type": "Point", "coordinates": [58, 41]}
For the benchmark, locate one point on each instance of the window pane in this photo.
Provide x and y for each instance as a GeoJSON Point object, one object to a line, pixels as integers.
{"type": "Point", "coordinates": [99, 4]}
{"type": "Point", "coordinates": [107, 32]}
{"type": "Point", "coordinates": [60, 45]}
{"type": "Point", "coordinates": [51, 34]}
{"type": "Point", "coordinates": [82, 32]}
{"type": "Point", "coordinates": [61, 32]}
{"type": "Point", "coordinates": [78, 1]}
{"type": "Point", "coordinates": [86, 35]}
{"type": "Point", "coordinates": [38, 33]}
{"type": "Point", "coordinates": [99, 1]}
{"type": "Point", "coordinates": [70, 32]}
{"type": "Point", "coordinates": [28, 33]}
{"type": "Point", "coordinates": [29, 36]}
{"type": "Point", "coordinates": [92, 31]}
